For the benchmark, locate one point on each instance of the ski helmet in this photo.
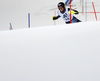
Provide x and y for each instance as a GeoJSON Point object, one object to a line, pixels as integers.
{"type": "Point", "coordinates": [61, 4]}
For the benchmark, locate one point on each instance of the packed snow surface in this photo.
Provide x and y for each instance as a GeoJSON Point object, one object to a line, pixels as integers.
{"type": "Point", "coordinates": [51, 53]}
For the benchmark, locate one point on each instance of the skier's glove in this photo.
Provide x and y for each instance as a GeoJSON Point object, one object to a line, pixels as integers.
{"type": "Point", "coordinates": [54, 18]}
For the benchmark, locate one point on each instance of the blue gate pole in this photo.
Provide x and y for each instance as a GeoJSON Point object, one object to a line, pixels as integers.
{"type": "Point", "coordinates": [29, 20]}
{"type": "Point", "coordinates": [11, 26]}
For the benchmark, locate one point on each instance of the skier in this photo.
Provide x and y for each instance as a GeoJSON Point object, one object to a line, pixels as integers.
{"type": "Point", "coordinates": [68, 2]}
{"type": "Point", "coordinates": [65, 14]}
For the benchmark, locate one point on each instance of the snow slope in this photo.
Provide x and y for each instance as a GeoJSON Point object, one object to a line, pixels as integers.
{"type": "Point", "coordinates": [51, 53]}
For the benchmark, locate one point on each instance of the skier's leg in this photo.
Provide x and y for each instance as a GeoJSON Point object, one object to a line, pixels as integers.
{"type": "Point", "coordinates": [79, 20]}
{"type": "Point", "coordinates": [75, 20]}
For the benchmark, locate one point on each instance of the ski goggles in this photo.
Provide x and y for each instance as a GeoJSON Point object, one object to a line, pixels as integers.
{"type": "Point", "coordinates": [60, 7]}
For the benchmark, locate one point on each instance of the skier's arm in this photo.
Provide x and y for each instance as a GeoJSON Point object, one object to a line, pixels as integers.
{"type": "Point", "coordinates": [73, 11]}
{"type": "Point", "coordinates": [55, 17]}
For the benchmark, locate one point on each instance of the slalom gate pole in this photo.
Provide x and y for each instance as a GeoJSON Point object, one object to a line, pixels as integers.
{"type": "Point", "coordinates": [10, 27]}
{"type": "Point", "coordinates": [83, 7]}
{"type": "Point", "coordinates": [94, 11]}
{"type": "Point", "coordinates": [29, 20]}
{"type": "Point", "coordinates": [70, 12]}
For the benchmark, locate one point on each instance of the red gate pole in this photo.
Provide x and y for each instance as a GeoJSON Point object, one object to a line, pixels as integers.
{"type": "Point", "coordinates": [94, 11]}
